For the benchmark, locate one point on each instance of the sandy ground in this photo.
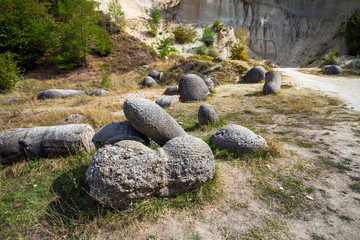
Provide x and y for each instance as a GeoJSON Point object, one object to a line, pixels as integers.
{"type": "Point", "coordinates": [348, 89]}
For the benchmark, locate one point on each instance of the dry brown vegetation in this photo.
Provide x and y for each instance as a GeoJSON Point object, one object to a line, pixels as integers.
{"type": "Point", "coordinates": [313, 139]}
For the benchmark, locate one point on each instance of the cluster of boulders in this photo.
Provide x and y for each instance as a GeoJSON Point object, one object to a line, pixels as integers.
{"type": "Point", "coordinates": [150, 80]}
{"type": "Point", "coordinates": [124, 170]}
{"type": "Point", "coordinates": [272, 79]}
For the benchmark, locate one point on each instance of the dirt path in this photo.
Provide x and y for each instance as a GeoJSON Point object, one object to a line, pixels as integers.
{"type": "Point", "coordinates": [347, 89]}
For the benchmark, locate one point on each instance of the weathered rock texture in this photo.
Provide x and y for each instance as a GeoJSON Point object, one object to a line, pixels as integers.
{"type": "Point", "coordinates": [128, 171]}
{"type": "Point", "coordinates": [59, 93]}
{"type": "Point", "coordinates": [255, 75]}
{"type": "Point", "coordinates": [287, 31]}
{"type": "Point", "coordinates": [116, 132]}
{"type": "Point", "coordinates": [149, 82]}
{"type": "Point", "coordinates": [155, 75]}
{"type": "Point", "coordinates": [207, 114]}
{"type": "Point", "coordinates": [173, 90]}
{"type": "Point", "coordinates": [238, 139]}
{"type": "Point", "coordinates": [210, 84]}
{"type": "Point", "coordinates": [193, 88]}
{"type": "Point", "coordinates": [332, 70]}
{"type": "Point", "coordinates": [272, 83]}
{"type": "Point", "coordinates": [17, 144]}
{"type": "Point", "coordinates": [150, 119]}
{"type": "Point", "coordinates": [99, 92]}
{"type": "Point", "coordinates": [165, 102]}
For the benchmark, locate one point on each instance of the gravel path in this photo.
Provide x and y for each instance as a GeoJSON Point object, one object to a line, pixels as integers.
{"type": "Point", "coordinates": [348, 89]}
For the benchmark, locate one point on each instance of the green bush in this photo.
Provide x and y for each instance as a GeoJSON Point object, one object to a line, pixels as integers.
{"type": "Point", "coordinates": [208, 36]}
{"type": "Point", "coordinates": [352, 34]}
{"type": "Point", "coordinates": [313, 60]}
{"type": "Point", "coordinates": [330, 58]}
{"type": "Point", "coordinates": [164, 47]}
{"type": "Point", "coordinates": [212, 52]}
{"type": "Point", "coordinates": [217, 26]}
{"type": "Point", "coordinates": [153, 22]}
{"type": "Point", "coordinates": [183, 34]}
{"type": "Point", "coordinates": [26, 30]}
{"type": "Point", "coordinates": [10, 73]}
{"type": "Point", "coordinates": [201, 50]}
{"type": "Point", "coordinates": [238, 50]}
{"type": "Point", "coordinates": [105, 83]}
{"type": "Point", "coordinates": [117, 15]}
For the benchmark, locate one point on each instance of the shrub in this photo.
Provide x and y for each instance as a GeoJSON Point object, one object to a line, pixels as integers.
{"type": "Point", "coordinates": [183, 34]}
{"type": "Point", "coordinates": [105, 83]}
{"type": "Point", "coordinates": [164, 47]}
{"type": "Point", "coordinates": [153, 22]}
{"type": "Point", "coordinates": [212, 52]}
{"type": "Point", "coordinates": [10, 73]}
{"type": "Point", "coordinates": [201, 50]}
{"type": "Point", "coordinates": [313, 60]}
{"type": "Point", "coordinates": [352, 34]}
{"type": "Point", "coordinates": [217, 26]}
{"type": "Point", "coordinates": [356, 62]}
{"type": "Point", "coordinates": [330, 58]}
{"type": "Point", "coordinates": [117, 15]}
{"type": "Point", "coordinates": [208, 36]}
{"type": "Point", "coordinates": [238, 50]}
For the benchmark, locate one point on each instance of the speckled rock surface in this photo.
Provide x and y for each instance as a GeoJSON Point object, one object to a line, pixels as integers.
{"type": "Point", "coordinates": [59, 93]}
{"type": "Point", "coordinates": [272, 83]}
{"type": "Point", "coordinates": [332, 70]}
{"type": "Point", "coordinates": [116, 132]}
{"type": "Point", "coordinates": [155, 75]}
{"type": "Point", "coordinates": [173, 90]}
{"type": "Point", "coordinates": [128, 171]}
{"type": "Point", "coordinates": [165, 102]}
{"type": "Point", "coordinates": [255, 75]}
{"type": "Point", "coordinates": [148, 82]}
{"type": "Point", "coordinates": [207, 114]}
{"type": "Point", "coordinates": [238, 139]}
{"type": "Point", "coordinates": [193, 88]}
{"type": "Point", "coordinates": [210, 84]}
{"type": "Point", "coordinates": [99, 92]}
{"type": "Point", "coordinates": [10, 148]}
{"type": "Point", "coordinates": [151, 120]}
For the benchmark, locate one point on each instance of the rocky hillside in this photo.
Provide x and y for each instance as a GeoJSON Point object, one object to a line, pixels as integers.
{"type": "Point", "coordinates": [288, 32]}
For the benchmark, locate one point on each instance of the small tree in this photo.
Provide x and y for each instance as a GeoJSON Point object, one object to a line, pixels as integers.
{"type": "Point", "coordinates": [331, 57]}
{"type": "Point", "coordinates": [217, 26]}
{"type": "Point", "coordinates": [208, 36]}
{"type": "Point", "coordinates": [183, 34]}
{"type": "Point", "coordinates": [117, 15]}
{"type": "Point", "coordinates": [353, 34]}
{"type": "Point", "coordinates": [164, 47]}
{"type": "Point", "coordinates": [153, 22]}
{"type": "Point", "coordinates": [10, 73]}
{"type": "Point", "coordinates": [238, 50]}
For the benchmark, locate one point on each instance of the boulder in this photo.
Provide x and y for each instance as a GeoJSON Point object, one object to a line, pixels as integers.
{"type": "Point", "coordinates": [173, 90]}
{"type": "Point", "coordinates": [151, 120]}
{"type": "Point", "coordinates": [59, 93]}
{"type": "Point", "coordinates": [332, 70]}
{"type": "Point", "coordinates": [73, 118]}
{"type": "Point", "coordinates": [165, 102]}
{"type": "Point", "coordinates": [272, 83]}
{"type": "Point", "coordinates": [255, 75]}
{"type": "Point", "coordinates": [10, 148]}
{"type": "Point", "coordinates": [238, 139]}
{"type": "Point", "coordinates": [52, 141]}
{"type": "Point", "coordinates": [148, 82]}
{"type": "Point", "coordinates": [155, 75]}
{"type": "Point", "coordinates": [116, 132]}
{"type": "Point", "coordinates": [99, 92]}
{"type": "Point", "coordinates": [207, 114]}
{"type": "Point", "coordinates": [210, 84]}
{"type": "Point", "coordinates": [128, 171]}
{"type": "Point", "coordinates": [192, 88]}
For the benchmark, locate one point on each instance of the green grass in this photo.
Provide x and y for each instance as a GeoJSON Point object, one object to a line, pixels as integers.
{"type": "Point", "coordinates": [273, 229]}
{"type": "Point", "coordinates": [305, 144]}
{"type": "Point", "coordinates": [336, 165]}
{"type": "Point", "coordinates": [355, 186]}
{"type": "Point", "coordinates": [315, 236]}
{"type": "Point", "coordinates": [282, 132]}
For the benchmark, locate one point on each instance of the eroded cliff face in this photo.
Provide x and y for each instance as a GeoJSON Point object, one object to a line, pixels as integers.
{"type": "Point", "coordinates": [287, 31]}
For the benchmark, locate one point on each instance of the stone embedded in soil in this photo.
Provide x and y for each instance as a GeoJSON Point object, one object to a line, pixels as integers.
{"type": "Point", "coordinates": [238, 139]}
{"type": "Point", "coordinates": [59, 93]}
{"type": "Point", "coordinates": [332, 69]}
{"type": "Point", "coordinates": [173, 90]}
{"type": "Point", "coordinates": [167, 101]}
{"type": "Point", "coordinates": [148, 82]}
{"type": "Point", "coordinates": [255, 75]}
{"type": "Point", "coordinates": [155, 75]}
{"type": "Point", "coordinates": [193, 88]}
{"type": "Point", "coordinates": [207, 114]}
{"type": "Point", "coordinates": [272, 83]}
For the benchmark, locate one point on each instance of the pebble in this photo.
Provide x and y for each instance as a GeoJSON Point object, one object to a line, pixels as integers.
{"type": "Point", "coordinates": [35, 185]}
{"type": "Point", "coordinates": [281, 188]}
{"type": "Point", "coordinates": [309, 198]}
{"type": "Point", "coordinates": [268, 166]}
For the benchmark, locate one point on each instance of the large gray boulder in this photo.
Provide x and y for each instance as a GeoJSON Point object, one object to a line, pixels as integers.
{"type": "Point", "coordinates": [10, 148]}
{"type": "Point", "coordinates": [193, 88]}
{"type": "Point", "coordinates": [148, 82]}
{"type": "Point", "coordinates": [116, 132]}
{"type": "Point", "coordinates": [165, 102]}
{"type": "Point", "coordinates": [155, 75]}
{"type": "Point", "coordinates": [207, 114]}
{"type": "Point", "coordinates": [123, 173]}
{"type": "Point", "coordinates": [150, 119]}
{"type": "Point", "coordinates": [21, 143]}
{"type": "Point", "coordinates": [173, 90]}
{"type": "Point", "coordinates": [272, 83]}
{"type": "Point", "coordinates": [332, 69]}
{"type": "Point", "coordinates": [255, 75]}
{"type": "Point", "coordinates": [59, 93]}
{"type": "Point", "coordinates": [238, 139]}
{"type": "Point", "coordinates": [210, 84]}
